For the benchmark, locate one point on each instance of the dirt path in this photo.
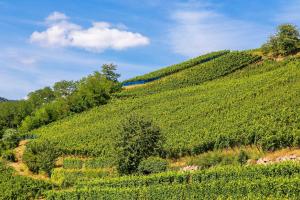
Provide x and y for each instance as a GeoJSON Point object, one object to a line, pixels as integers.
{"type": "Point", "coordinates": [20, 167]}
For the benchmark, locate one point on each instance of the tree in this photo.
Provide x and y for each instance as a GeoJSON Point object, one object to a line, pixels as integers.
{"type": "Point", "coordinates": [92, 91]}
{"type": "Point", "coordinates": [108, 70]}
{"type": "Point", "coordinates": [40, 97]}
{"type": "Point", "coordinates": [139, 139]}
{"type": "Point", "coordinates": [64, 88]}
{"type": "Point", "coordinates": [40, 157]}
{"type": "Point", "coordinates": [285, 42]}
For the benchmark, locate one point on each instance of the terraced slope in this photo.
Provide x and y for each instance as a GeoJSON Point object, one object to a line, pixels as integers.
{"type": "Point", "coordinates": [178, 67]}
{"type": "Point", "coordinates": [239, 109]}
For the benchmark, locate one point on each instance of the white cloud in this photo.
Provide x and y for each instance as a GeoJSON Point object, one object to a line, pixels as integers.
{"type": "Point", "coordinates": [99, 37]}
{"type": "Point", "coordinates": [198, 31]}
{"type": "Point", "coordinates": [56, 16]}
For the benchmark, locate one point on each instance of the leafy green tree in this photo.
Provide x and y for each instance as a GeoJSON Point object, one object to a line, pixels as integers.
{"type": "Point", "coordinates": [40, 97]}
{"type": "Point", "coordinates": [92, 91]}
{"type": "Point", "coordinates": [139, 139]}
{"type": "Point", "coordinates": [285, 42]}
{"type": "Point", "coordinates": [40, 157]}
{"type": "Point", "coordinates": [108, 70]}
{"type": "Point", "coordinates": [10, 138]}
{"type": "Point", "coordinates": [64, 88]}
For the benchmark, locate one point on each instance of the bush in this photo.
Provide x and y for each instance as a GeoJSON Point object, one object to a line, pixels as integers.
{"type": "Point", "coordinates": [139, 139]}
{"type": "Point", "coordinates": [285, 42]}
{"type": "Point", "coordinates": [152, 165]}
{"type": "Point", "coordinates": [9, 156]}
{"type": "Point", "coordinates": [40, 157]}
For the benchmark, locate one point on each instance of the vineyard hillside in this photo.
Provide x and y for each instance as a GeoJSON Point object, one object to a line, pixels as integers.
{"type": "Point", "coordinates": [229, 101]}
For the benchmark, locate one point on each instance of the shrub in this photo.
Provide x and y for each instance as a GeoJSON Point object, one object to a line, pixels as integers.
{"type": "Point", "coordinates": [9, 155]}
{"type": "Point", "coordinates": [139, 139]}
{"type": "Point", "coordinates": [152, 165]}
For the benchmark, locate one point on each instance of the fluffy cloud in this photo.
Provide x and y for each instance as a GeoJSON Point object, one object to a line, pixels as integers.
{"type": "Point", "coordinates": [101, 36]}
{"type": "Point", "coordinates": [200, 31]}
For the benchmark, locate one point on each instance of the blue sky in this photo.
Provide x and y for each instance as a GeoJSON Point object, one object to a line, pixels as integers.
{"type": "Point", "coordinates": [44, 41]}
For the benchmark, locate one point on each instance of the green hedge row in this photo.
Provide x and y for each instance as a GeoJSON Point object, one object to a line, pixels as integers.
{"type": "Point", "coordinates": [226, 173]}
{"type": "Point", "coordinates": [273, 188]}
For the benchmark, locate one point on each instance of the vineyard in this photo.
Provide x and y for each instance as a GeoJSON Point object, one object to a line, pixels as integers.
{"type": "Point", "coordinates": [220, 112]}
{"type": "Point", "coordinates": [18, 187]}
{"type": "Point", "coordinates": [255, 182]}
{"type": "Point", "coordinates": [196, 75]}
{"type": "Point", "coordinates": [238, 109]}
{"type": "Point", "coordinates": [178, 67]}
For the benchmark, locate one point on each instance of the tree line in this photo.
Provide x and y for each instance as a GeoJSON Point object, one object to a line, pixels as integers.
{"type": "Point", "coordinates": [49, 104]}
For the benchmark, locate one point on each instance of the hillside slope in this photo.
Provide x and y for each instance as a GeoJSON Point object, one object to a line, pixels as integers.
{"type": "Point", "coordinates": [238, 109]}
{"type": "Point", "coordinates": [178, 67]}
{"type": "Point", "coordinates": [196, 75]}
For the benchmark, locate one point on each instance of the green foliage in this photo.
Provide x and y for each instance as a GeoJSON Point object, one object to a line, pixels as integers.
{"type": "Point", "coordinates": [242, 157]}
{"type": "Point", "coordinates": [285, 42]}
{"type": "Point", "coordinates": [9, 155]}
{"type": "Point", "coordinates": [196, 75]}
{"type": "Point", "coordinates": [64, 88]}
{"type": "Point", "coordinates": [10, 139]}
{"type": "Point", "coordinates": [108, 70]}
{"type": "Point", "coordinates": [69, 177]}
{"type": "Point", "coordinates": [211, 159]}
{"type": "Point", "coordinates": [72, 98]}
{"type": "Point", "coordinates": [221, 173]}
{"type": "Point", "coordinates": [178, 67]}
{"type": "Point", "coordinates": [278, 141]}
{"type": "Point", "coordinates": [217, 158]}
{"type": "Point", "coordinates": [12, 113]}
{"type": "Point", "coordinates": [40, 157]}
{"type": "Point", "coordinates": [41, 96]}
{"type": "Point", "coordinates": [270, 188]}
{"type": "Point", "coordinates": [278, 181]}
{"type": "Point", "coordinates": [152, 165]}
{"type": "Point", "coordinates": [19, 187]}
{"type": "Point", "coordinates": [99, 162]}
{"type": "Point", "coordinates": [241, 108]}
{"type": "Point", "coordinates": [72, 163]}
{"type": "Point", "coordinates": [139, 139]}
